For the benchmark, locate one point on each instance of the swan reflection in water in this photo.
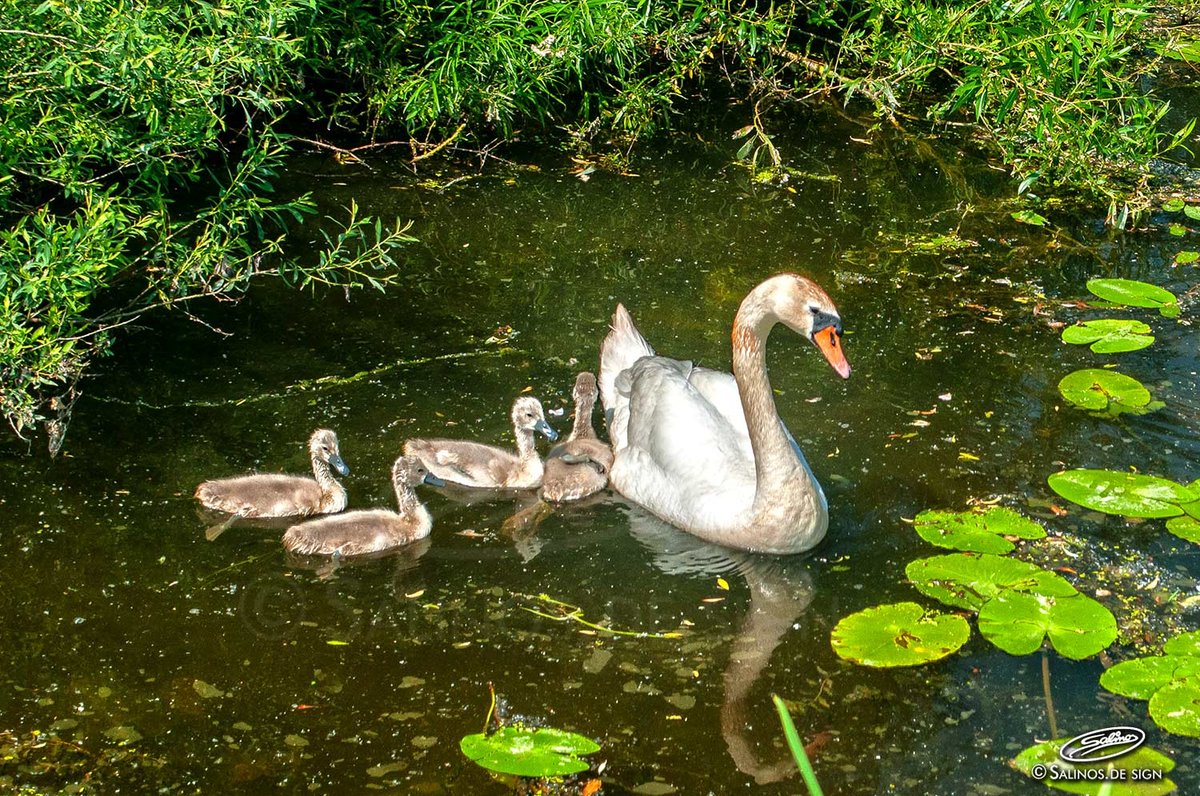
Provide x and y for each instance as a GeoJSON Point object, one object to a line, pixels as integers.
{"type": "Point", "coordinates": [781, 590]}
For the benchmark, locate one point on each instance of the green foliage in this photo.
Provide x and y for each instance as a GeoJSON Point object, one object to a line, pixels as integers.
{"type": "Point", "coordinates": [901, 634]}
{"type": "Point", "coordinates": [135, 168]}
{"type": "Point", "coordinates": [1052, 82]}
{"type": "Point", "coordinates": [1077, 626]}
{"type": "Point", "coordinates": [1107, 393]}
{"type": "Point", "coordinates": [1125, 494]}
{"type": "Point", "coordinates": [1109, 335]}
{"type": "Point", "coordinates": [1171, 682]}
{"type": "Point", "coordinates": [976, 531]}
{"type": "Point", "coordinates": [529, 752]}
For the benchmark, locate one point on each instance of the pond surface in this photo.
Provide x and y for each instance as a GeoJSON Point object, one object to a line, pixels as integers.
{"type": "Point", "coordinates": [153, 659]}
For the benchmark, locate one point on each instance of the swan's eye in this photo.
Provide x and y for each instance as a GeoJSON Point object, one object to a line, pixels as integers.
{"type": "Point", "coordinates": [814, 309]}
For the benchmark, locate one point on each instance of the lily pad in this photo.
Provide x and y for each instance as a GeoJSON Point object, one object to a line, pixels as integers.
{"type": "Point", "coordinates": [969, 581]}
{"type": "Point", "coordinates": [1186, 528]}
{"type": "Point", "coordinates": [1176, 707]}
{"type": "Point", "coordinates": [1134, 293]}
{"type": "Point", "coordinates": [1125, 494]}
{"type": "Point", "coordinates": [529, 752]}
{"type": "Point", "coordinates": [1140, 678]}
{"type": "Point", "coordinates": [1077, 626]}
{"type": "Point", "coordinates": [1099, 390]}
{"type": "Point", "coordinates": [901, 634]}
{"type": "Point", "coordinates": [1040, 758]}
{"type": "Point", "coordinates": [976, 531]}
{"type": "Point", "coordinates": [1184, 644]}
{"type": "Point", "coordinates": [1186, 257]}
{"type": "Point", "coordinates": [1173, 205]}
{"type": "Point", "coordinates": [1109, 335]}
{"type": "Point", "coordinates": [1192, 212]}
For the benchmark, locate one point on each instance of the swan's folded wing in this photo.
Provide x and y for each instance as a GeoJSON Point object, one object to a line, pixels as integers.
{"type": "Point", "coordinates": [686, 434]}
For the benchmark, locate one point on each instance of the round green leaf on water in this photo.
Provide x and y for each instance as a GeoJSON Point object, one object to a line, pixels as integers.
{"type": "Point", "coordinates": [529, 752]}
{"type": "Point", "coordinates": [1184, 644]}
{"type": "Point", "coordinates": [1140, 678]}
{"type": "Point", "coordinates": [969, 581]}
{"type": "Point", "coordinates": [901, 634]}
{"type": "Point", "coordinates": [1077, 626]}
{"type": "Point", "coordinates": [1176, 707]}
{"type": "Point", "coordinates": [1098, 390]}
{"type": "Point", "coordinates": [1132, 293]}
{"type": "Point", "coordinates": [976, 531]}
{"type": "Point", "coordinates": [1186, 528]}
{"type": "Point", "coordinates": [1192, 212]}
{"type": "Point", "coordinates": [1144, 757]}
{"type": "Point", "coordinates": [1186, 257]}
{"type": "Point", "coordinates": [1192, 508]}
{"type": "Point", "coordinates": [1109, 335]}
{"type": "Point", "coordinates": [1173, 205]}
{"type": "Point", "coordinates": [1125, 494]}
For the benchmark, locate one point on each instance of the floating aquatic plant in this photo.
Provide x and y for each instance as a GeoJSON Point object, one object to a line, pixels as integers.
{"type": "Point", "coordinates": [1107, 392]}
{"type": "Point", "coordinates": [1126, 494]}
{"type": "Point", "coordinates": [976, 531]}
{"type": "Point", "coordinates": [901, 634]}
{"type": "Point", "coordinates": [1017, 622]}
{"type": "Point", "coordinates": [1109, 335]}
{"type": "Point", "coordinates": [529, 752]}
{"type": "Point", "coordinates": [1188, 526]}
{"type": "Point", "coordinates": [1171, 682]}
{"type": "Point", "coordinates": [969, 581]}
{"type": "Point", "coordinates": [1044, 755]}
{"type": "Point", "coordinates": [1133, 293]}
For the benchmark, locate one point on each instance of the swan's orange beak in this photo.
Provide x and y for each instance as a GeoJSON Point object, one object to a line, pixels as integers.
{"type": "Point", "coordinates": [831, 347]}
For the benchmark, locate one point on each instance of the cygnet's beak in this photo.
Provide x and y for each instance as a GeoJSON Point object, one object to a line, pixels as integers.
{"type": "Point", "coordinates": [829, 342]}
{"type": "Point", "coordinates": [338, 465]}
{"type": "Point", "coordinates": [543, 428]}
{"type": "Point", "coordinates": [432, 480]}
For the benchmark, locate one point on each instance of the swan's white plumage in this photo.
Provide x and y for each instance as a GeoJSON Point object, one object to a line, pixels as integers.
{"type": "Point", "coordinates": [683, 442]}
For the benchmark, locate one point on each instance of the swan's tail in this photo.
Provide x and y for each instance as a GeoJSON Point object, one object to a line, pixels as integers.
{"type": "Point", "coordinates": [623, 346]}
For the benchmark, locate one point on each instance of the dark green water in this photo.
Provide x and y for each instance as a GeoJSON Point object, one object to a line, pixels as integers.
{"type": "Point", "coordinates": [114, 605]}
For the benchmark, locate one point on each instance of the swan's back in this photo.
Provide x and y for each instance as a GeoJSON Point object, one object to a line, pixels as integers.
{"type": "Point", "coordinates": [357, 532]}
{"type": "Point", "coordinates": [565, 480]}
{"type": "Point", "coordinates": [266, 495]}
{"type": "Point", "coordinates": [464, 462]}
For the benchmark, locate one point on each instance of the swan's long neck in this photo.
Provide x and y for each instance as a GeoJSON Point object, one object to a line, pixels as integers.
{"type": "Point", "coordinates": [779, 473]}
{"type": "Point", "coordinates": [526, 448]}
{"type": "Point", "coordinates": [332, 492]}
{"type": "Point", "coordinates": [406, 498]}
{"type": "Point", "coordinates": [583, 418]}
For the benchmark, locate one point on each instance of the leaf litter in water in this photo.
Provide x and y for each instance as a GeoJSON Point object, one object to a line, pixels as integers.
{"type": "Point", "coordinates": [1133, 293]}
{"type": "Point", "coordinates": [1077, 626]}
{"type": "Point", "coordinates": [1124, 494]}
{"type": "Point", "coordinates": [968, 581]}
{"type": "Point", "coordinates": [1107, 392]}
{"type": "Point", "coordinates": [901, 634]}
{"type": "Point", "coordinates": [1109, 335]}
{"type": "Point", "coordinates": [529, 752]}
{"type": "Point", "coordinates": [1045, 754]}
{"type": "Point", "coordinates": [976, 531]}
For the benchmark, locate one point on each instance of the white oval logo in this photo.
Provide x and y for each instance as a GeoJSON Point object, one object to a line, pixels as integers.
{"type": "Point", "coordinates": [1105, 744]}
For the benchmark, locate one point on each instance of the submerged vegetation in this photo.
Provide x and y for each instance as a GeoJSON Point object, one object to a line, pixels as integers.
{"type": "Point", "coordinates": [137, 142]}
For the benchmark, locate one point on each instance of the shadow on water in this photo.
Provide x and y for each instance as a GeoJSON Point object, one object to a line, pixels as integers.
{"type": "Point", "coordinates": [159, 660]}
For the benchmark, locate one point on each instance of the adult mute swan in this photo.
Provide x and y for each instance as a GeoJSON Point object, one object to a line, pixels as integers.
{"type": "Point", "coordinates": [706, 451]}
